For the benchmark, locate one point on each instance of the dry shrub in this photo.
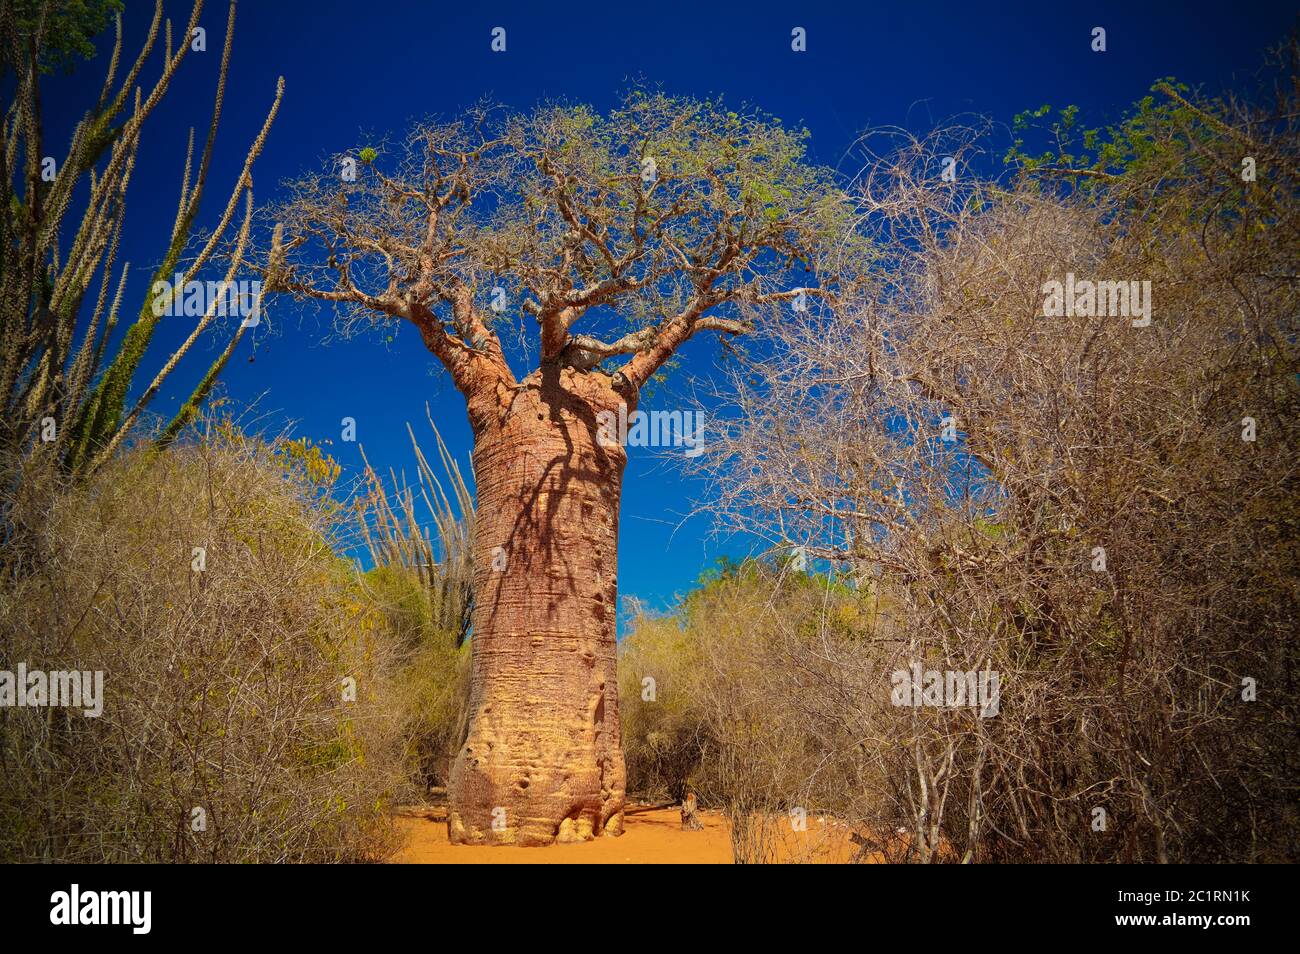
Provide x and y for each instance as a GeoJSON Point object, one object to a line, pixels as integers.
{"type": "Point", "coordinates": [224, 689]}
{"type": "Point", "coordinates": [419, 539]}
{"type": "Point", "coordinates": [663, 730]}
{"type": "Point", "coordinates": [1127, 728]}
{"type": "Point", "coordinates": [431, 686]}
{"type": "Point", "coordinates": [735, 668]}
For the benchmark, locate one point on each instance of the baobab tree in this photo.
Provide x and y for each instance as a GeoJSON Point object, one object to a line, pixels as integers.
{"type": "Point", "coordinates": [620, 237]}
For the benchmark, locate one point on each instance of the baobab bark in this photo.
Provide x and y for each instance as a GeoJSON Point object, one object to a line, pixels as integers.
{"type": "Point", "coordinates": [543, 760]}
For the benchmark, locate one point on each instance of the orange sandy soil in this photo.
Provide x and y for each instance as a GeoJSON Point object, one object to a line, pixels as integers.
{"type": "Point", "coordinates": [651, 837]}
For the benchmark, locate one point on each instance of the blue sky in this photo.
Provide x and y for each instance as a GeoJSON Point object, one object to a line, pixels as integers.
{"type": "Point", "coordinates": [356, 71]}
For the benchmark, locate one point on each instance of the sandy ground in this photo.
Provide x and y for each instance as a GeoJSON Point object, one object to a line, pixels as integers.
{"type": "Point", "coordinates": [648, 838]}
{"type": "Point", "coordinates": [652, 837]}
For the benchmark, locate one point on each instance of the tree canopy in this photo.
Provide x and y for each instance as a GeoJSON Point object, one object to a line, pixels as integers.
{"type": "Point", "coordinates": [618, 236]}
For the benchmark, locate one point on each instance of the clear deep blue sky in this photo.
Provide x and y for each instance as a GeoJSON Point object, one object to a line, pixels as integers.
{"type": "Point", "coordinates": [357, 70]}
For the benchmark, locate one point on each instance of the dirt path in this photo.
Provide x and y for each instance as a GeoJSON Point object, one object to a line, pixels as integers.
{"type": "Point", "coordinates": [648, 838]}
{"type": "Point", "coordinates": [652, 837]}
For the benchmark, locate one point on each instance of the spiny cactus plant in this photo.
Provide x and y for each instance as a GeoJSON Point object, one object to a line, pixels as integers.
{"type": "Point", "coordinates": [440, 555]}
{"type": "Point", "coordinates": [63, 383]}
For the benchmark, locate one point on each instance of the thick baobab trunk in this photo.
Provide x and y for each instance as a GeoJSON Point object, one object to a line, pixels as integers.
{"type": "Point", "coordinates": [543, 760]}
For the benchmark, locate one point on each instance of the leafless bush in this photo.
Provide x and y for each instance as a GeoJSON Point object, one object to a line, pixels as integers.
{"type": "Point", "coordinates": [1076, 503]}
